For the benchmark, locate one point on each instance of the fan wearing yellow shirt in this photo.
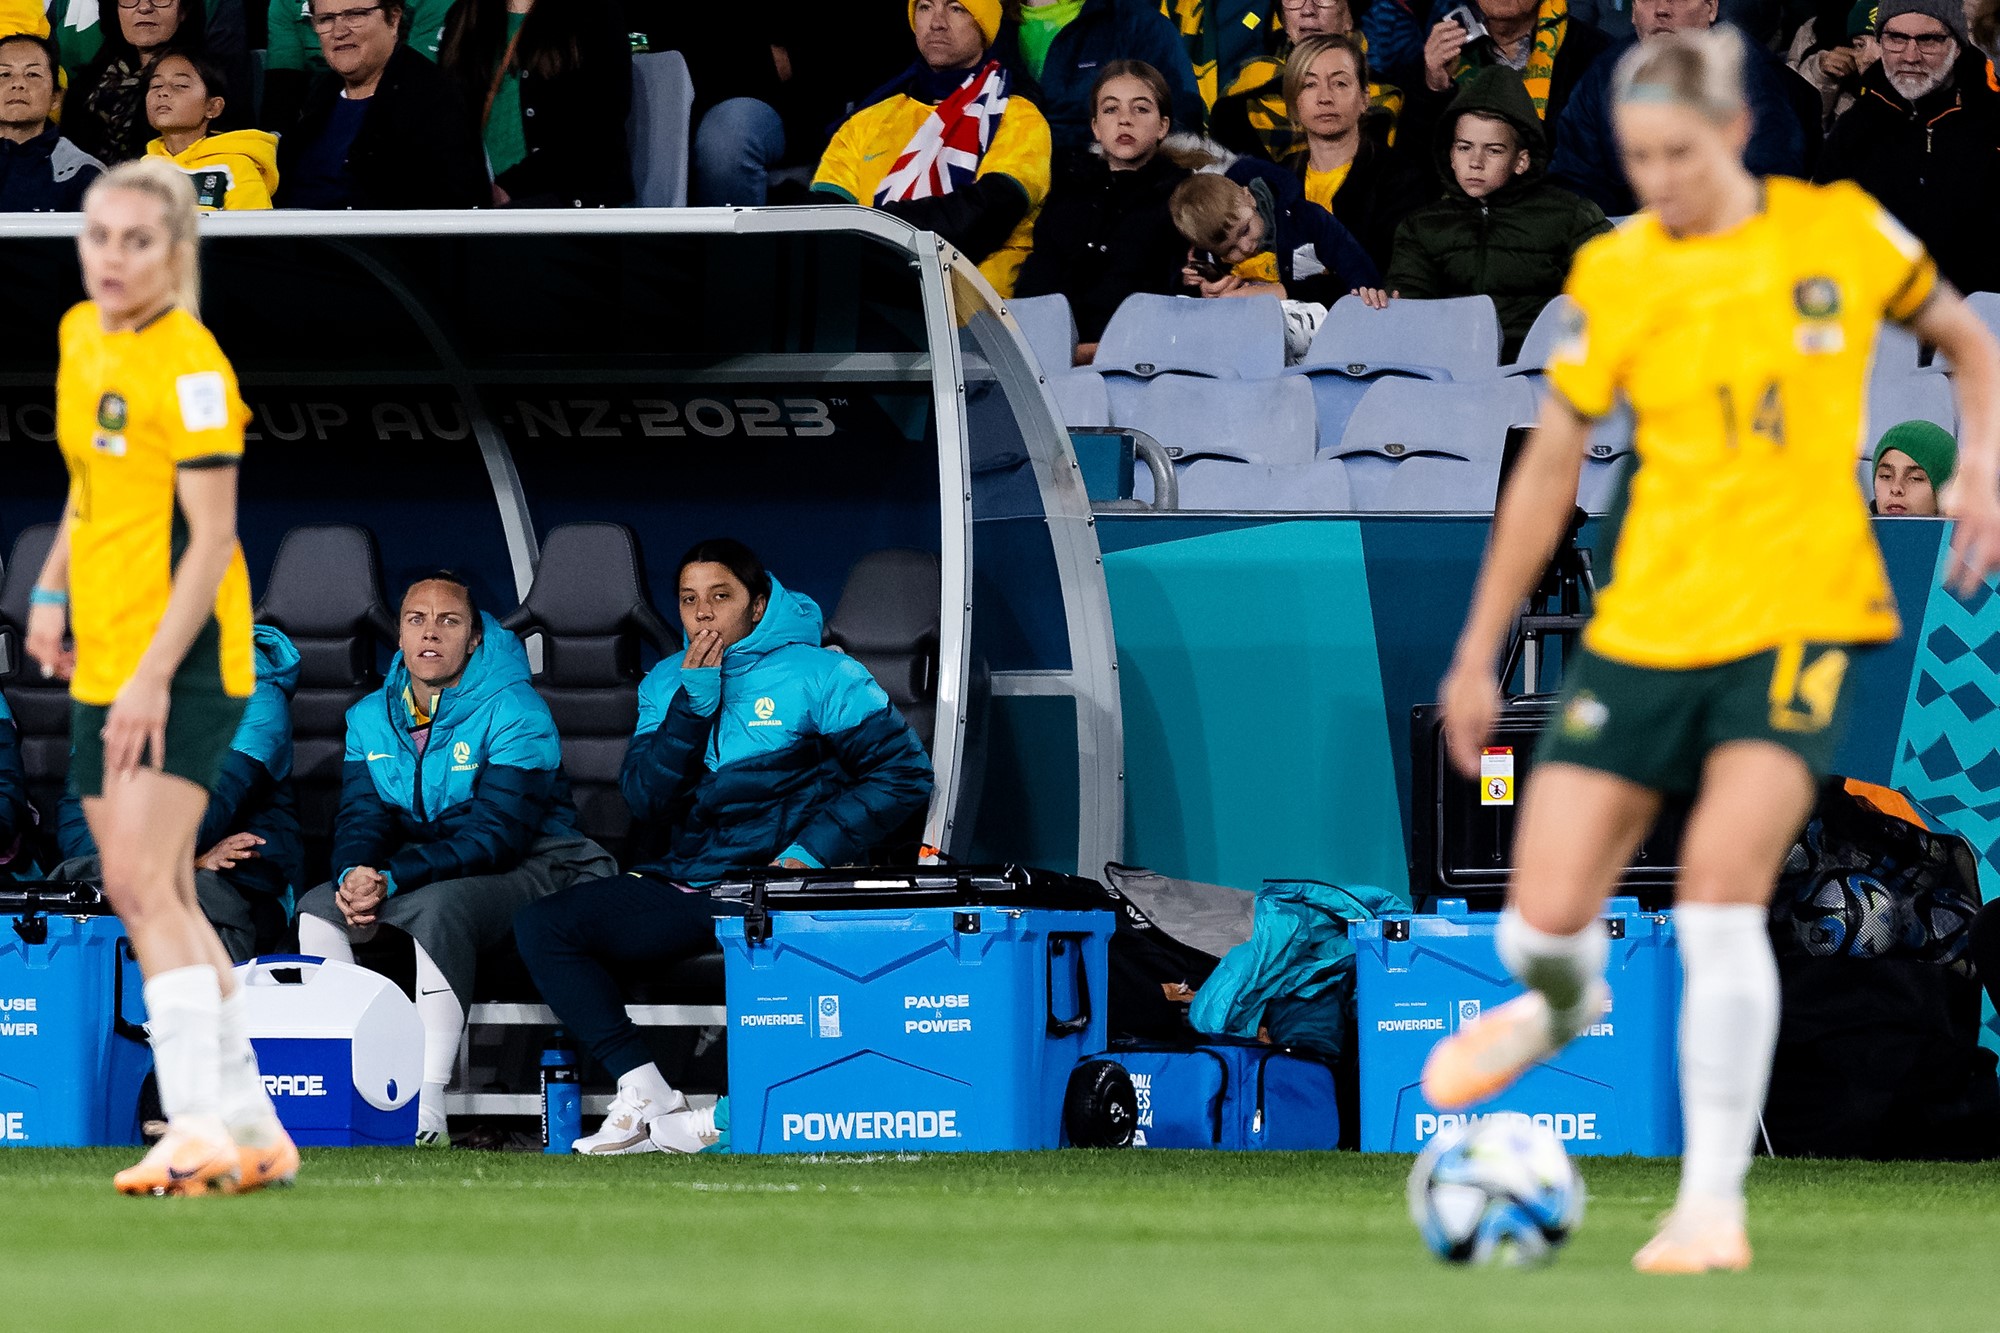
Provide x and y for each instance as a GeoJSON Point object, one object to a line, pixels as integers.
{"type": "Point", "coordinates": [145, 575]}
{"type": "Point", "coordinates": [1737, 316]}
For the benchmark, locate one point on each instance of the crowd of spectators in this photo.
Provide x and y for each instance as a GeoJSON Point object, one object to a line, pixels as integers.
{"type": "Point", "coordinates": [1047, 139]}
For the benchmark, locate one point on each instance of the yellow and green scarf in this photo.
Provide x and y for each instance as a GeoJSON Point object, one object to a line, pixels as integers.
{"type": "Point", "coordinates": [1551, 26]}
{"type": "Point", "coordinates": [1261, 85]}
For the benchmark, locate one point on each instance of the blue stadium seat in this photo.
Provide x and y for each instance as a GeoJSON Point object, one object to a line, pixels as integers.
{"type": "Point", "coordinates": [1254, 421]}
{"type": "Point", "coordinates": [658, 129]}
{"type": "Point", "coordinates": [1897, 353]}
{"type": "Point", "coordinates": [1234, 338]}
{"type": "Point", "coordinates": [1439, 443]}
{"type": "Point", "coordinates": [1050, 329]}
{"type": "Point", "coordinates": [1540, 343]}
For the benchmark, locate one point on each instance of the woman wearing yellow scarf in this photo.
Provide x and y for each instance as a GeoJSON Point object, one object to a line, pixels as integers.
{"type": "Point", "coordinates": [1541, 40]}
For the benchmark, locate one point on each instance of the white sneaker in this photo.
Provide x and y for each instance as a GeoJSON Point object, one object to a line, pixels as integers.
{"type": "Point", "coordinates": [433, 1129]}
{"type": "Point", "coordinates": [684, 1131]}
{"type": "Point", "coordinates": [627, 1126]}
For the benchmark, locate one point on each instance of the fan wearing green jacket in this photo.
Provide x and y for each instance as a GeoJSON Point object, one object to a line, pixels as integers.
{"type": "Point", "coordinates": [1501, 229]}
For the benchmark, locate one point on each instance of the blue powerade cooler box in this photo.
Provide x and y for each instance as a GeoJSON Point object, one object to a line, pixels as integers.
{"type": "Point", "coordinates": [340, 1048]}
{"type": "Point", "coordinates": [861, 1020]}
{"type": "Point", "coordinates": [1613, 1090]}
{"type": "Point", "coordinates": [73, 1052]}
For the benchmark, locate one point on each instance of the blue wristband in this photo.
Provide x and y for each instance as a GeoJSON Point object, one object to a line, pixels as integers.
{"type": "Point", "coordinates": [47, 597]}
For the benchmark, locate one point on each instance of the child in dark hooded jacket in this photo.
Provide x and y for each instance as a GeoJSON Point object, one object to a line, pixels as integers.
{"type": "Point", "coordinates": [1501, 229]}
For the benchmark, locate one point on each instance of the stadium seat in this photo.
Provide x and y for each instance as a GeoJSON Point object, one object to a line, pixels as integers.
{"type": "Point", "coordinates": [1254, 421]}
{"type": "Point", "coordinates": [1457, 339]}
{"type": "Point", "coordinates": [1357, 346]}
{"type": "Point", "coordinates": [325, 593]}
{"type": "Point", "coordinates": [1540, 343]}
{"type": "Point", "coordinates": [588, 602]}
{"type": "Point", "coordinates": [887, 620]}
{"type": "Point", "coordinates": [1318, 487]}
{"type": "Point", "coordinates": [1440, 443]}
{"type": "Point", "coordinates": [1152, 335]}
{"type": "Point", "coordinates": [1050, 330]}
{"type": "Point", "coordinates": [659, 129]}
{"type": "Point", "coordinates": [41, 707]}
{"type": "Point", "coordinates": [1897, 353]}
{"type": "Point", "coordinates": [1919, 396]}
{"type": "Point", "coordinates": [1608, 457]}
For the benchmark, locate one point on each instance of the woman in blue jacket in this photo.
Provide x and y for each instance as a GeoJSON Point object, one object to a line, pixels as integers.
{"type": "Point", "coordinates": [755, 747]}
{"type": "Point", "coordinates": [252, 856]}
{"type": "Point", "coordinates": [453, 815]}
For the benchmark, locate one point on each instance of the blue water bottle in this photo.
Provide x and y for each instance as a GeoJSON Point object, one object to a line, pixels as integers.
{"type": "Point", "coordinates": [562, 1098]}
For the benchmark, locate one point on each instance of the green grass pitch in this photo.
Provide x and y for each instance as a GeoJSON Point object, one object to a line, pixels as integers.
{"type": "Point", "coordinates": [394, 1240]}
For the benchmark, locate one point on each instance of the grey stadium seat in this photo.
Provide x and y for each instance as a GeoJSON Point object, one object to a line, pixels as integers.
{"type": "Point", "coordinates": [325, 593]}
{"type": "Point", "coordinates": [659, 128]}
{"type": "Point", "coordinates": [1606, 460]}
{"type": "Point", "coordinates": [1318, 487]}
{"type": "Point", "coordinates": [1540, 343]}
{"type": "Point", "coordinates": [1922, 395]}
{"type": "Point", "coordinates": [887, 620]}
{"type": "Point", "coordinates": [41, 707]}
{"type": "Point", "coordinates": [1423, 446]}
{"type": "Point", "coordinates": [1241, 338]}
{"type": "Point", "coordinates": [1255, 421]}
{"type": "Point", "coordinates": [1457, 338]}
{"type": "Point", "coordinates": [1050, 330]}
{"type": "Point", "coordinates": [589, 604]}
{"type": "Point", "coordinates": [1986, 305]}
{"type": "Point", "coordinates": [1357, 347]}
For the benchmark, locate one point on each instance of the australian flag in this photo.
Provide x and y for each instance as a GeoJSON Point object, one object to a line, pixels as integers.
{"type": "Point", "coordinates": [945, 153]}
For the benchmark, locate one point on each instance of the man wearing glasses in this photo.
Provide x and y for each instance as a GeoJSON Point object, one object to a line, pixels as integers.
{"type": "Point", "coordinates": [383, 127]}
{"type": "Point", "coordinates": [1924, 138]}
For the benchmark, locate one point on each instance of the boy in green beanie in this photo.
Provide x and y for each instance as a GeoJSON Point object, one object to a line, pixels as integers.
{"type": "Point", "coordinates": [1913, 462]}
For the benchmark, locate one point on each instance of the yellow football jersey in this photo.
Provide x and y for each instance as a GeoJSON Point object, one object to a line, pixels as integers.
{"type": "Point", "coordinates": [1745, 357]}
{"type": "Point", "coordinates": [132, 409]}
{"type": "Point", "coordinates": [869, 143]}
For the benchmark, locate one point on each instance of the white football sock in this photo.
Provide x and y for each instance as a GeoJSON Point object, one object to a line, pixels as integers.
{"type": "Point", "coordinates": [444, 1024]}
{"type": "Point", "coordinates": [1567, 969]}
{"type": "Point", "coordinates": [323, 939]}
{"type": "Point", "coordinates": [183, 1018]}
{"type": "Point", "coordinates": [246, 1107]}
{"type": "Point", "coordinates": [1729, 1027]}
{"type": "Point", "coordinates": [650, 1084]}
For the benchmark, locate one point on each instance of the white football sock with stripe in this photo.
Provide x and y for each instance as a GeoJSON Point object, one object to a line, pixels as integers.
{"type": "Point", "coordinates": [1729, 1028]}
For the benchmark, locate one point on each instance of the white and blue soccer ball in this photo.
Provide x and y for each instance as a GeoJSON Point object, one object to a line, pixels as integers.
{"type": "Point", "coordinates": [1499, 1191]}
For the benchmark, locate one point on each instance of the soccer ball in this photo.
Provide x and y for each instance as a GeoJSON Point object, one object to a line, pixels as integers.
{"type": "Point", "coordinates": [1502, 1190]}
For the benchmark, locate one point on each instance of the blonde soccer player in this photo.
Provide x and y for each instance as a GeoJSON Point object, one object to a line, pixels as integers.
{"type": "Point", "coordinates": [1738, 316]}
{"type": "Point", "coordinates": [147, 578]}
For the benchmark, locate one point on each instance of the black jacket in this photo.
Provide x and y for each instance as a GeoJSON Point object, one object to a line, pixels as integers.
{"type": "Point", "coordinates": [47, 174]}
{"type": "Point", "coordinates": [416, 149]}
{"type": "Point", "coordinates": [1422, 108]}
{"type": "Point", "coordinates": [1934, 164]}
{"type": "Point", "coordinates": [1382, 188]}
{"type": "Point", "coordinates": [1103, 235]}
{"type": "Point", "coordinates": [574, 124]}
{"type": "Point", "coordinates": [1514, 245]}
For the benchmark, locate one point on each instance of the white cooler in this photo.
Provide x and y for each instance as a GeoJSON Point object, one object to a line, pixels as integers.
{"type": "Point", "coordinates": [341, 1050]}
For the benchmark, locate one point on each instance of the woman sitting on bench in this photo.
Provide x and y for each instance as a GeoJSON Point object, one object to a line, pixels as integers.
{"type": "Point", "coordinates": [756, 747]}
{"type": "Point", "coordinates": [453, 813]}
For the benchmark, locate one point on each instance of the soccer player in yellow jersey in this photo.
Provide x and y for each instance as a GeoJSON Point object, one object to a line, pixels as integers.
{"type": "Point", "coordinates": [147, 578]}
{"type": "Point", "coordinates": [1737, 315]}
